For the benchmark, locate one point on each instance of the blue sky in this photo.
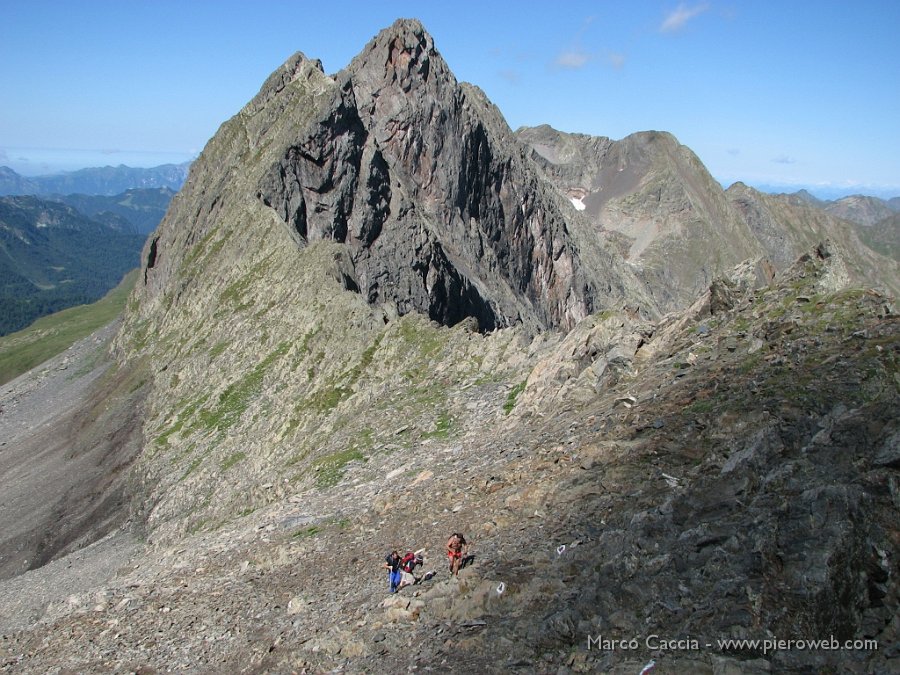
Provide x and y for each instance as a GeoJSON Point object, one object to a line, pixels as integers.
{"type": "Point", "coordinates": [773, 93]}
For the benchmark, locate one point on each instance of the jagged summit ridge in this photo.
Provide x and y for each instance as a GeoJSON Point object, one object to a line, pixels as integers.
{"type": "Point", "coordinates": [401, 55]}
{"type": "Point", "coordinates": [440, 209]}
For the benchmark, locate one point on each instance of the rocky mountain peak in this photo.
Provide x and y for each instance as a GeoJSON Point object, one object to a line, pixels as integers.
{"type": "Point", "coordinates": [439, 207]}
{"type": "Point", "coordinates": [297, 67]}
{"type": "Point", "coordinates": [403, 56]}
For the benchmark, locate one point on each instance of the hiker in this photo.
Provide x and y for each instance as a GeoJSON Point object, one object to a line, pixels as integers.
{"type": "Point", "coordinates": [407, 565]}
{"type": "Point", "coordinates": [392, 563]}
{"type": "Point", "coordinates": [410, 561]}
{"type": "Point", "coordinates": [456, 549]}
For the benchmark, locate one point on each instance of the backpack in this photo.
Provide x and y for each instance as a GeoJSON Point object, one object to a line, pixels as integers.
{"type": "Point", "coordinates": [408, 562]}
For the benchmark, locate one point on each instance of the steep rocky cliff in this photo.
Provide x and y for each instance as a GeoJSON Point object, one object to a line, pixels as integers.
{"type": "Point", "coordinates": [325, 210]}
{"type": "Point", "coordinates": [438, 207]}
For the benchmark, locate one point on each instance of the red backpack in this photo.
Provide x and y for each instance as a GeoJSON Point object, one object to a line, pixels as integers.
{"type": "Point", "coordinates": [408, 562]}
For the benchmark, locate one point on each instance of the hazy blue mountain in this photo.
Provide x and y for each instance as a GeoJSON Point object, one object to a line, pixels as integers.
{"type": "Point", "coordinates": [53, 257]}
{"type": "Point", "coordinates": [142, 208]}
{"type": "Point", "coordinates": [805, 196]}
{"type": "Point", "coordinates": [826, 192]}
{"type": "Point", "coordinates": [12, 183]}
{"type": "Point", "coordinates": [106, 180]}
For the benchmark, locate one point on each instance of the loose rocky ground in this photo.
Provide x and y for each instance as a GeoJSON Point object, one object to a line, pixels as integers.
{"type": "Point", "coordinates": [718, 475]}
{"type": "Point", "coordinates": [62, 473]}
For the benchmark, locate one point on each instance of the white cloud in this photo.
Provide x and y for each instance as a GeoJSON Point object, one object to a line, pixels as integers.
{"type": "Point", "coordinates": [575, 57]}
{"type": "Point", "coordinates": [784, 159]}
{"type": "Point", "coordinates": [510, 76]}
{"type": "Point", "coordinates": [616, 60]}
{"type": "Point", "coordinates": [572, 59]}
{"type": "Point", "coordinates": [733, 151]}
{"type": "Point", "coordinates": [678, 18]}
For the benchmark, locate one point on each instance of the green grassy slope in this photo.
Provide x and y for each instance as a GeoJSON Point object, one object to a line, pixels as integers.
{"type": "Point", "coordinates": [50, 335]}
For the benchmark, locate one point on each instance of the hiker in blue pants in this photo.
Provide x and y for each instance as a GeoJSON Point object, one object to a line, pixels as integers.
{"type": "Point", "coordinates": [393, 563]}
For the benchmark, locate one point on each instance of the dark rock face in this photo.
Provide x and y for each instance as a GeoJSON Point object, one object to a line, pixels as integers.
{"type": "Point", "coordinates": [423, 181]}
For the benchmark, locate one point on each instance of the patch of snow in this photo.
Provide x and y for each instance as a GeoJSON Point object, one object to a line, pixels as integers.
{"type": "Point", "coordinates": [578, 203]}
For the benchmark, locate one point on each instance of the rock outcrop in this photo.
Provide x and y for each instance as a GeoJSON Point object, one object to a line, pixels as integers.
{"type": "Point", "coordinates": [440, 209]}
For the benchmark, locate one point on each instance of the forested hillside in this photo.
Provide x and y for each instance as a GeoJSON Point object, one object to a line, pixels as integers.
{"type": "Point", "coordinates": [53, 257]}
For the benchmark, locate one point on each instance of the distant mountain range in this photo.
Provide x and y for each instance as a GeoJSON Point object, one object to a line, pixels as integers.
{"type": "Point", "coordinates": [141, 208]}
{"type": "Point", "coordinates": [876, 221]}
{"type": "Point", "coordinates": [53, 257]}
{"type": "Point", "coordinates": [827, 193]}
{"type": "Point", "coordinates": [654, 198]}
{"type": "Point", "coordinates": [67, 239]}
{"type": "Point", "coordinates": [106, 180]}
{"type": "Point", "coordinates": [860, 209]}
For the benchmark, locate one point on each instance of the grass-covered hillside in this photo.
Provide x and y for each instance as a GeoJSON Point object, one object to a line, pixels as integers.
{"type": "Point", "coordinates": [53, 257]}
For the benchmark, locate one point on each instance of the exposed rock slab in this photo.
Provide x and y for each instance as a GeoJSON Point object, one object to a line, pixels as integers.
{"type": "Point", "coordinates": [441, 210]}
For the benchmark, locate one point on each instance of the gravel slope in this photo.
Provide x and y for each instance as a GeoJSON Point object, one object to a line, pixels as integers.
{"type": "Point", "coordinates": [45, 466]}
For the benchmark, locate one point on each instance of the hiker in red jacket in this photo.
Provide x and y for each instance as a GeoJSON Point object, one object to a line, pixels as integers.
{"type": "Point", "coordinates": [407, 565]}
